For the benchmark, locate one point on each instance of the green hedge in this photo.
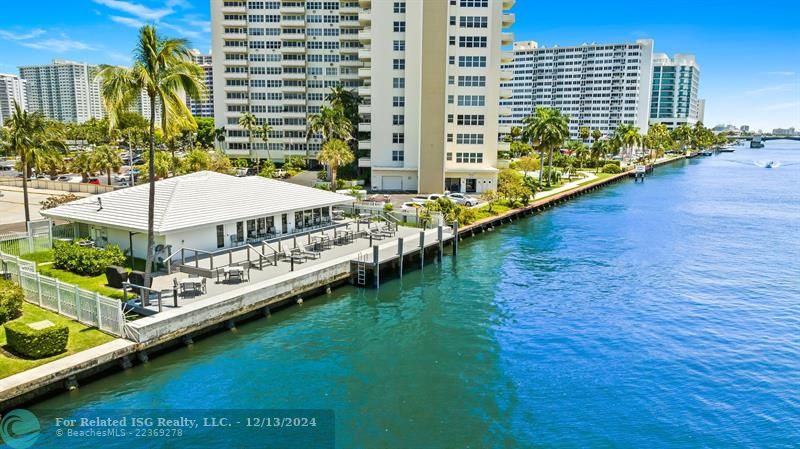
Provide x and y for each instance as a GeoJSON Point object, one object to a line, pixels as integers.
{"type": "Point", "coordinates": [11, 297]}
{"type": "Point", "coordinates": [84, 260]}
{"type": "Point", "coordinates": [611, 169]}
{"type": "Point", "coordinates": [37, 344]}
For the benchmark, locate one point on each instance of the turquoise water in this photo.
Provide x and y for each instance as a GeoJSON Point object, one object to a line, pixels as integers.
{"type": "Point", "coordinates": [663, 314]}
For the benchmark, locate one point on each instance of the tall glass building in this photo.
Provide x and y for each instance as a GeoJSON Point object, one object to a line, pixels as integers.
{"type": "Point", "coordinates": [675, 84]}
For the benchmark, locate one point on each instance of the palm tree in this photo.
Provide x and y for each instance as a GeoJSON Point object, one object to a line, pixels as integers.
{"type": "Point", "coordinates": [84, 164]}
{"type": "Point", "coordinates": [334, 154]}
{"type": "Point", "coordinates": [515, 133]}
{"type": "Point", "coordinates": [164, 69]}
{"type": "Point", "coordinates": [683, 135]}
{"type": "Point", "coordinates": [596, 135]}
{"type": "Point", "coordinates": [548, 128]}
{"type": "Point", "coordinates": [631, 138]}
{"type": "Point", "coordinates": [332, 123]}
{"type": "Point", "coordinates": [599, 150]}
{"type": "Point", "coordinates": [265, 130]}
{"type": "Point", "coordinates": [107, 159]}
{"type": "Point", "coordinates": [347, 100]}
{"type": "Point", "coordinates": [28, 138]}
{"type": "Point", "coordinates": [584, 132]}
{"type": "Point", "coordinates": [249, 122]}
{"type": "Point", "coordinates": [219, 136]}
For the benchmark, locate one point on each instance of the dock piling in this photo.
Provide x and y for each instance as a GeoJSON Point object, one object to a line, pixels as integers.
{"type": "Point", "coordinates": [376, 261]}
{"type": "Point", "coordinates": [421, 249]}
{"type": "Point", "coordinates": [400, 253]}
{"type": "Point", "coordinates": [440, 236]}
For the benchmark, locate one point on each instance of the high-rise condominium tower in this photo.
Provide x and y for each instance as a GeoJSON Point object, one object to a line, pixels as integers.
{"type": "Point", "coordinates": [428, 73]}
{"type": "Point", "coordinates": [63, 90]}
{"type": "Point", "coordinates": [598, 86]}
{"type": "Point", "coordinates": [205, 106]}
{"type": "Point", "coordinates": [279, 60]}
{"type": "Point", "coordinates": [12, 90]}
{"type": "Point", "coordinates": [432, 89]}
{"type": "Point", "coordinates": [675, 84]}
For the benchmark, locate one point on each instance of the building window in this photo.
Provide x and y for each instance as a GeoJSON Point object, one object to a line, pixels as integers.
{"type": "Point", "coordinates": [399, 7]}
{"type": "Point", "coordinates": [452, 20]}
{"type": "Point", "coordinates": [469, 158]}
{"type": "Point", "coordinates": [471, 100]}
{"type": "Point", "coordinates": [450, 118]}
{"type": "Point", "coordinates": [451, 80]}
{"type": "Point", "coordinates": [472, 81]}
{"type": "Point", "coordinates": [399, 27]}
{"type": "Point", "coordinates": [449, 156]}
{"type": "Point", "coordinates": [399, 83]}
{"type": "Point", "coordinates": [471, 61]}
{"type": "Point", "coordinates": [398, 155]}
{"type": "Point", "coordinates": [472, 41]}
{"type": "Point", "coordinates": [473, 22]}
{"type": "Point", "coordinates": [451, 60]}
{"type": "Point", "coordinates": [398, 138]}
{"type": "Point", "coordinates": [399, 64]}
{"type": "Point", "coordinates": [398, 119]}
{"type": "Point", "coordinates": [469, 139]}
{"type": "Point", "coordinates": [474, 3]}
{"type": "Point", "coordinates": [398, 102]}
{"type": "Point", "coordinates": [399, 45]}
{"type": "Point", "coordinates": [452, 40]}
{"type": "Point", "coordinates": [471, 120]}
{"type": "Point", "coordinates": [449, 137]}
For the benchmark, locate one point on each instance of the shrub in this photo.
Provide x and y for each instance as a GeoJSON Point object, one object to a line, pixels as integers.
{"type": "Point", "coordinates": [57, 200]}
{"type": "Point", "coordinates": [466, 215]}
{"type": "Point", "coordinates": [86, 261]}
{"type": "Point", "coordinates": [36, 343]}
{"type": "Point", "coordinates": [294, 163]}
{"type": "Point", "coordinates": [388, 207]}
{"type": "Point", "coordinates": [267, 169]}
{"type": "Point", "coordinates": [611, 169]}
{"type": "Point", "coordinates": [11, 297]}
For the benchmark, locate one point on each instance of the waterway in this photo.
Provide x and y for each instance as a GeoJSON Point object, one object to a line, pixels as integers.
{"type": "Point", "coordinates": [662, 314]}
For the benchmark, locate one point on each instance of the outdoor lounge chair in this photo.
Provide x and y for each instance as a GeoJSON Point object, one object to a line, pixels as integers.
{"type": "Point", "coordinates": [308, 254]}
{"type": "Point", "coordinates": [289, 255]}
{"type": "Point", "coordinates": [137, 278]}
{"type": "Point", "coordinates": [115, 276]}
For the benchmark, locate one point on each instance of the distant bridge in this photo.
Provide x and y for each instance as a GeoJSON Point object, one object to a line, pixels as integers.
{"type": "Point", "coordinates": [766, 138]}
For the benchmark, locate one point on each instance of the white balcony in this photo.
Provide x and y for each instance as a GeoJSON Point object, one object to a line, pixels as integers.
{"type": "Point", "coordinates": [349, 9]}
{"type": "Point", "coordinates": [293, 63]}
{"type": "Point", "coordinates": [293, 36]}
{"type": "Point", "coordinates": [365, 3]}
{"type": "Point", "coordinates": [293, 23]}
{"type": "Point", "coordinates": [365, 35]}
{"type": "Point", "coordinates": [365, 54]}
{"type": "Point", "coordinates": [504, 146]}
{"type": "Point", "coordinates": [505, 112]}
{"type": "Point", "coordinates": [365, 127]}
{"type": "Point", "coordinates": [293, 89]}
{"type": "Point", "coordinates": [350, 63]}
{"type": "Point", "coordinates": [506, 75]}
{"type": "Point", "coordinates": [294, 101]}
{"type": "Point", "coordinates": [293, 76]}
{"type": "Point", "coordinates": [236, 75]}
{"type": "Point", "coordinates": [509, 19]}
{"type": "Point", "coordinates": [365, 17]}
{"type": "Point", "coordinates": [234, 36]}
{"type": "Point", "coordinates": [508, 4]}
{"type": "Point", "coordinates": [292, 10]}
{"type": "Point", "coordinates": [364, 144]}
{"type": "Point", "coordinates": [293, 114]}
{"type": "Point", "coordinates": [507, 38]}
{"type": "Point", "coordinates": [293, 50]}
{"type": "Point", "coordinates": [364, 162]}
{"type": "Point", "coordinates": [365, 73]}
{"type": "Point", "coordinates": [504, 129]}
{"type": "Point", "coordinates": [365, 109]}
{"type": "Point", "coordinates": [364, 91]}
{"type": "Point", "coordinates": [506, 56]}
{"type": "Point", "coordinates": [506, 93]}
{"type": "Point", "coordinates": [234, 9]}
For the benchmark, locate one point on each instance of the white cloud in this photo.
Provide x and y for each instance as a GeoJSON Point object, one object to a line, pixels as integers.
{"type": "Point", "coordinates": [771, 89]}
{"type": "Point", "coordinates": [782, 106]}
{"type": "Point", "coordinates": [180, 30]}
{"type": "Point", "coordinates": [785, 73]}
{"type": "Point", "coordinates": [203, 25]}
{"type": "Point", "coordinates": [128, 21]}
{"type": "Point", "coordinates": [21, 36]}
{"type": "Point", "coordinates": [139, 11]}
{"type": "Point", "coordinates": [58, 45]}
{"type": "Point", "coordinates": [119, 57]}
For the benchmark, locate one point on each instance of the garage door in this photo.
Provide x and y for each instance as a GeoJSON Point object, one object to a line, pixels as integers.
{"type": "Point", "coordinates": [391, 183]}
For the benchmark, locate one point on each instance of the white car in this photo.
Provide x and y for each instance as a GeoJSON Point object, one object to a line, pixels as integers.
{"type": "Point", "coordinates": [464, 200]}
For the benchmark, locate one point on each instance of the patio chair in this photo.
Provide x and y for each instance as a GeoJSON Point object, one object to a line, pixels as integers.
{"type": "Point", "coordinates": [291, 255]}
{"type": "Point", "coordinates": [203, 287]}
{"type": "Point", "coordinates": [115, 276]}
{"type": "Point", "coordinates": [309, 254]}
{"type": "Point", "coordinates": [137, 278]}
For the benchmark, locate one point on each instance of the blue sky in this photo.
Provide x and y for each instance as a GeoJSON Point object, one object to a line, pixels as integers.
{"type": "Point", "coordinates": [749, 52]}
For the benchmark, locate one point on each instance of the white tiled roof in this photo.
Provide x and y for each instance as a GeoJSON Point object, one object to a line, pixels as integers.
{"type": "Point", "coordinates": [197, 199]}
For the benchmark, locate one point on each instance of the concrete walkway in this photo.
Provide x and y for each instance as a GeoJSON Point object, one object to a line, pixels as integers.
{"type": "Point", "coordinates": [42, 376]}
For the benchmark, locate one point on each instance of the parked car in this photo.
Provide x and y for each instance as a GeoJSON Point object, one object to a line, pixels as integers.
{"type": "Point", "coordinates": [94, 181]}
{"type": "Point", "coordinates": [279, 173]}
{"type": "Point", "coordinates": [410, 206]}
{"type": "Point", "coordinates": [425, 199]}
{"type": "Point", "coordinates": [75, 179]}
{"type": "Point", "coordinates": [464, 200]}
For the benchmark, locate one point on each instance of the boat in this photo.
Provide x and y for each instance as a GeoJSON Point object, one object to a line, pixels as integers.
{"type": "Point", "coordinates": [706, 153]}
{"type": "Point", "coordinates": [757, 142]}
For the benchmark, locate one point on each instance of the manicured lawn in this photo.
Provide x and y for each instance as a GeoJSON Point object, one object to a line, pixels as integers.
{"type": "Point", "coordinates": [97, 284]}
{"type": "Point", "coordinates": [91, 283]}
{"type": "Point", "coordinates": [80, 338]}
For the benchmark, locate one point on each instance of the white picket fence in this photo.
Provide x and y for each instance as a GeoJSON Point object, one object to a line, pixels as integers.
{"type": "Point", "coordinates": [86, 307]}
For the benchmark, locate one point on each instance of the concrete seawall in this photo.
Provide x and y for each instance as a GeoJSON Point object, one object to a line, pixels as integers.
{"type": "Point", "coordinates": [171, 328]}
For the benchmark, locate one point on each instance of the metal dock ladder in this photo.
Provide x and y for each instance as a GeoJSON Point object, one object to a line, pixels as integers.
{"type": "Point", "coordinates": [361, 271]}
